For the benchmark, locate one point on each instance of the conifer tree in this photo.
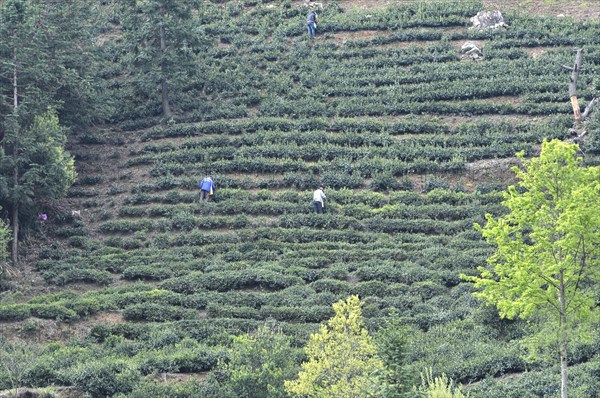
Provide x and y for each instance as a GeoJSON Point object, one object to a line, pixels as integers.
{"type": "Point", "coordinates": [46, 60]}
{"type": "Point", "coordinates": [161, 37]}
{"type": "Point", "coordinates": [44, 69]}
{"type": "Point", "coordinates": [395, 379]}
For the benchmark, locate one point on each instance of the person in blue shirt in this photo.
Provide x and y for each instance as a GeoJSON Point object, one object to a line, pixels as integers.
{"type": "Point", "coordinates": [207, 188]}
{"type": "Point", "coordinates": [311, 24]}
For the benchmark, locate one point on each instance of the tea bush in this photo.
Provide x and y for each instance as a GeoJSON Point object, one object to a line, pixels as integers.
{"type": "Point", "coordinates": [375, 117]}
{"type": "Point", "coordinates": [154, 312]}
{"type": "Point", "coordinates": [104, 377]}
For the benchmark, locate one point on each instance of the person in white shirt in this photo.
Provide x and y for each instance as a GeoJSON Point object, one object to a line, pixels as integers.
{"type": "Point", "coordinates": [318, 200]}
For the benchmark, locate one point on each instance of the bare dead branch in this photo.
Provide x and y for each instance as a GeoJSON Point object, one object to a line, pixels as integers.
{"type": "Point", "coordinates": [589, 108]}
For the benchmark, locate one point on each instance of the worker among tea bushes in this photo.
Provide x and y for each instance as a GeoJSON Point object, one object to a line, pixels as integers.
{"type": "Point", "coordinates": [319, 200]}
{"type": "Point", "coordinates": [207, 188]}
{"type": "Point", "coordinates": [311, 24]}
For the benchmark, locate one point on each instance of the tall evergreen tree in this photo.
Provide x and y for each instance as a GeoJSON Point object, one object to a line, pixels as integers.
{"type": "Point", "coordinates": [45, 59]}
{"type": "Point", "coordinates": [161, 38]}
{"type": "Point", "coordinates": [395, 378]}
{"type": "Point", "coordinates": [258, 363]}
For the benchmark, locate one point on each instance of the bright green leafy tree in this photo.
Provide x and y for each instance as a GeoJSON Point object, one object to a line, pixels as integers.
{"type": "Point", "coordinates": [439, 387]}
{"type": "Point", "coordinates": [259, 363]}
{"type": "Point", "coordinates": [35, 166]}
{"type": "Point", "coordinates": [342, 357]}
{"type": "Point", "coordinates": [547, 260]}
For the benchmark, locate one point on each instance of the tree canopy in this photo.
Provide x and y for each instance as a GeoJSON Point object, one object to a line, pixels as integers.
{"type": "Point", "coordinates": [35, 166]}
{"type": "Point", "coordinates": [161, 38]}
{"type": "Point", "coordinates": [258, 363]}
{"type": "Point", "coordinates": [548, 245]}
{"type": "Point", "coordinates": [342, 357]}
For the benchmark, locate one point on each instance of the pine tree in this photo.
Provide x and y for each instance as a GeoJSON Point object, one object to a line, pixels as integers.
{"type": "Point", "coordinates": [395, 379]}
{"type": "Point", "coordinates": [46, 60]}
{"type": "Point", "coordinates": [161, 38]}
{"type": "Point", "coordinates": [44, 69]}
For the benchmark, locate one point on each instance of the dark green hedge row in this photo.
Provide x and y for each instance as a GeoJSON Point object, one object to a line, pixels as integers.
{"type": "Point", "coordinates": [228, 280]}
{"type": "Point", "coordinates": [356, 72]}
{"type": "Point", "coordinates": [437, 149]}
{"type": "Point", "coordinates": [341, 196]}
{"type": "Point", "coordinates": [412, 125]}
{"type": "Point", "coordinates": [382, 106]}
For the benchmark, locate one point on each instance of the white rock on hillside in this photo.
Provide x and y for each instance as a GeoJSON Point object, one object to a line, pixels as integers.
{"type": "Point", "coordinates": [488, 20]}
{"type": "Point", "coordinates": [470, 50]}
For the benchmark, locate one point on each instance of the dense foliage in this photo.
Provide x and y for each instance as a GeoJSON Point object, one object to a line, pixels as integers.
{"type": "Point", "coordinates": [548, 245]}
{"type": "Point", "coordinates": [149, 293]}
{"type": "Point", "coordinates": [341, 357]}
{"type": "Point", "coordinates": [4, 252]}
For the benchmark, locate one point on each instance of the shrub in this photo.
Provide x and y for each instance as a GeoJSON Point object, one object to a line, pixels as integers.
{"type": "Point", "coordinates": [54, 311]}
{"type": "Point", "coordinates": [187, 356]}
{"type": "Point", "coordinates": [86, 306]}
{"type": "Point", "coordinates": [147, 272]}
{"type": "Point", "coordinates": [183, 389]}
{"type": "Point", "coordinates": [370, 288]}
{"type": "Point", "coordinates": [432, 183]}
{"type": "Point", "coordinates": [305, 313]}
{"type": "Point", "coordinates": [104, 377]}
{"type": "Point", "coordinates": [228, 280]}
{"type": "Point", "coordinates": [157, 312]}
{"type": "Point", "coordinates": [439, 386]}
{"type": "Point", "coordinates": [383, 182]}
{"type": "Point", "coordinates": [330, 285]}
{"type": "Point", "coordinates": [183, 221]}
{"type": "Point", "coordinates": [78, 275]}
{"type": "Point", "coordinates": [14, 312]}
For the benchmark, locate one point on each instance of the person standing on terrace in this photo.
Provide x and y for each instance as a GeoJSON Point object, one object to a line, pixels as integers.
{"type": "Point", "coordinates": [318, 200]}
{"type": "Point", "coordinates": [207, 188]}
{"type": "Point", "coordinates": [311, 24]}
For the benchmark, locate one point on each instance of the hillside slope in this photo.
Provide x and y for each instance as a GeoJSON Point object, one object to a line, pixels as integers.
{"type": "Point", "coordinates": [412, 142]}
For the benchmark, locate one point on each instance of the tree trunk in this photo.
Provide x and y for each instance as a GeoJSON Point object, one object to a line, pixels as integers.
{"type": "Point", "coordinates": [163, 83]}
{"type": "Point", "coordinates": [563, 369]}
{"type": "Point", "coordinates": [15, 205]}
{"type": "Point", "coordinates": [563, 338]}
{"type": "Point", "coordinates": [15, 240]}
{"type": "Point", "coordinates": [573, 83]}
{"type": "Point", "coordinates": [15, 210]}
{"type": "Point", "coordinates": [15, 87]}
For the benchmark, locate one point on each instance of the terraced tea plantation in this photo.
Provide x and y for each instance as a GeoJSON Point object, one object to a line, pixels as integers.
{"type": "Point", "coordinates": [413, 144]}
